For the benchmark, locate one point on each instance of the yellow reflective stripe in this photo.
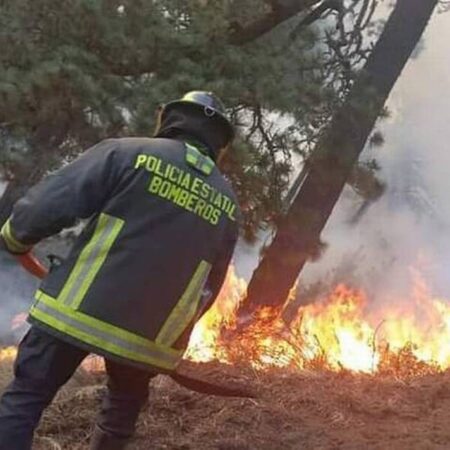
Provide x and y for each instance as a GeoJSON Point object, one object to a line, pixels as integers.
{"type": "Point", "coordinates": [102, 335]}
{"type": "Point", "coordinates": [11, 242]}
{"type": "Point", "coordinates": [191, 159]}
{"type": "Point", "coordinates": [70, 285]}
{"type": "Point", "coordinates": [186, 308]}
{"type": "Point", "coordinates": [112, 231]}
{"type": "Point", "coordinates": [197, 159]}
{"type": "Point", "coordinates": [99, 342]}
{"type": "Point", "coordinates": [91, 321]}
{"type": "Point", "coordinates": [90, 260]}
{"type": "Point", "coordinates": [207, 167]}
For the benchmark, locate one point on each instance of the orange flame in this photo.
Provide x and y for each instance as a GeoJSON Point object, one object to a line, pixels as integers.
{"type": "Point", "coordinates": [204, 342]}
{"type": "Point", "coordinates": [336, 332]}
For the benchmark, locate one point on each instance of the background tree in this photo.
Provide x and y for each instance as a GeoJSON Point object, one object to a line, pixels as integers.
{"type": "Point", "coordinates": [74, 72]}
{"type": "Point", "coordinates": [338, 148]}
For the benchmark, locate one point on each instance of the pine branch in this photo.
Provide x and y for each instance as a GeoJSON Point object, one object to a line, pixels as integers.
{"type": "Point", "coordinates": [316, 14]}
{"type": "Point", "coordinates": [281, 11]}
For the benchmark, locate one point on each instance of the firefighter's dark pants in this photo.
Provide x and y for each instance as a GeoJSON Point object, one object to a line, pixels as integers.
{"type": "Point", "coordinates": [44, 364]}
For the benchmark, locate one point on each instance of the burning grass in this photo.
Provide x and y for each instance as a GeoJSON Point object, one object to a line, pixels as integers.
{"type": "Point", "coordinates": [338, 375]}
{"type": "Point", "coordinates": [338, 331]}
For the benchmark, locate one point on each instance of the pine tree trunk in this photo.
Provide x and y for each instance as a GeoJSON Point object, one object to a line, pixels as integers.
{"type": "Point", "coordinates": [299, 232]}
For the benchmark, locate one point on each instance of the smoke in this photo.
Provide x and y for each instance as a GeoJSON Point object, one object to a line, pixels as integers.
{"type": "Point", "coordinates": [17, 287]}
{"type": "Point", "coordinates": [409, 227]}
{"type": "Point", "coordinates": [16, 295]}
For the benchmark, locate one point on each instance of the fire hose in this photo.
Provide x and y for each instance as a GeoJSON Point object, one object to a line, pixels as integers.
{"type": "Point", "coordinates": [32, 265]}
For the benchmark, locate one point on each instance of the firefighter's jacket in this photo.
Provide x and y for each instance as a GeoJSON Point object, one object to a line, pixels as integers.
{"type": "Point", "coordinates": [161, 232]}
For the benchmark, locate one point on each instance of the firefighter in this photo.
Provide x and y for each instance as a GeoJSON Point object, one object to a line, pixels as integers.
{"type": "Point", "coordinates": [162, 224]}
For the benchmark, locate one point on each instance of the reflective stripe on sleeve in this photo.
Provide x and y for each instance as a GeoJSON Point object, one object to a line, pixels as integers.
{"type": "Point", "coordinates": [90, 260]}
{"type": "Point", "coordinates": [13, 245]}
{"type": "Point", "coordinates": [110, 338]}
{"type": "Point", "coordinates": [186, 308]}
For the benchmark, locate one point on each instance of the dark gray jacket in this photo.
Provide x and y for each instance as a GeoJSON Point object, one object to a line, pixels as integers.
{"type": "Point", "coordinates": [153, 256]}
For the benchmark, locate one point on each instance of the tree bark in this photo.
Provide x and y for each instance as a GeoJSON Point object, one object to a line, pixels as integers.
{"type": "Point", "coordinates": [298, 235]}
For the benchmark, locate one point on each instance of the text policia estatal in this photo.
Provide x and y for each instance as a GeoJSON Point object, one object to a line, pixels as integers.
{"type": "Point", "coordinates": [185, 190]}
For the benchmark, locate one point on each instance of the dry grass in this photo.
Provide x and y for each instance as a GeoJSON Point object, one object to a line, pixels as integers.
{"type": "Point", "coordinates": [310, 410]}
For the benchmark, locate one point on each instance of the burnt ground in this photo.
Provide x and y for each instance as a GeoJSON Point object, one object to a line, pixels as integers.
{"type": "Point", "coordinates": [310, 410]}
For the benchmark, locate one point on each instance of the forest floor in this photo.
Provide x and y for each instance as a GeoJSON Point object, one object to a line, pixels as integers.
{"type": "Point", "coordinates": [307, 410]}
